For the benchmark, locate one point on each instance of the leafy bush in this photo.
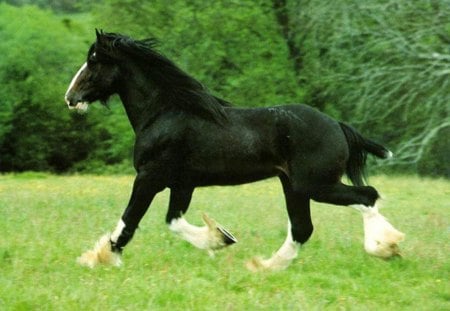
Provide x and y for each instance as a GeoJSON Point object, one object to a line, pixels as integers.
{"type": "Point", "coordinates": [39, 55]}
{"type": "Point", "coordinates": [434, 161]}
{"type": "Point", "coordinates": [234, 48]}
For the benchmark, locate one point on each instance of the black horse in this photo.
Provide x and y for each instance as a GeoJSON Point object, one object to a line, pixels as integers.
{"type": "Point", "coordinates": [186, 137]}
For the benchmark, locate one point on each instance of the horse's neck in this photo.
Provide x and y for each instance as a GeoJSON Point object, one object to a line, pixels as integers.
{"type": "Point", "coordinates": [138, 99]}
{"type": "Point", "coordinates": [134, 113]}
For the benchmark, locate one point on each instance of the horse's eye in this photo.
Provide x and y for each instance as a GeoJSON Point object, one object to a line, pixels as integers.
{"type": "Point", "coordinates": [93, 58]}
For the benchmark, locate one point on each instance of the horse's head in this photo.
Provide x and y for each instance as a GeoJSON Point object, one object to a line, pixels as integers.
{"type": "Point", "coordinates": [97, 78]}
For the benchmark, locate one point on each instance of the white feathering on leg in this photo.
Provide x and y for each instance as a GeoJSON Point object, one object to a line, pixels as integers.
{"type": "Point", "coordinates": [380, 237]}
{"type": "Point", "coordinates": [101, 254]}
{"type": "Point", "coordinates": [210, 237]}
{"type": "Point", "coordinates": [280, 260]}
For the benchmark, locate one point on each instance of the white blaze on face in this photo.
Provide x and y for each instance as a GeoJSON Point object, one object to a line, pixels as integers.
{"type": "Point", "coordinates": [81, 105]}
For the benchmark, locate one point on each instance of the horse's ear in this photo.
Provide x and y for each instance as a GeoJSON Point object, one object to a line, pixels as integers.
{"type": "Point", "coordinates": [101, 38]}
{"type": "Point", "coordinates": [99, 34]}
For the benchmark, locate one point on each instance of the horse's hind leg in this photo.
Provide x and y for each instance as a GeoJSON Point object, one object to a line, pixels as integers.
{"type": "Point", "coordinates": [300, 228]}
{"type": "Point", "coordinates": [380, 237]}
{"type": "Point", "coordinates": [210, 237]}
{"type": "Point", "coordinates": [341, 194]}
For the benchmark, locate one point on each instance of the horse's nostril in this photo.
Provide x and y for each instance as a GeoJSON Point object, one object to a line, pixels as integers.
{"type": "Point", "coordinates": [69, 102]}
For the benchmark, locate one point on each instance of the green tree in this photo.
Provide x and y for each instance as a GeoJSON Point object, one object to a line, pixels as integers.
{"type": "Point", "coordinates": [383, 66]}
{"type": "Point", "coordinates": [64, 6]}
{"type": "Point", "coordinates": [233, 47]}
{"type": "Point", "coordinates": [37, 132]}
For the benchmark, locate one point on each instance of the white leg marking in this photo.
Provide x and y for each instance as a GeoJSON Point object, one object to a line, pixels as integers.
{"type": "Point", "coordinates": [380, 237]}
{"type": "Point", "coordinates": [210, 237]}
{"type": "Point", "coordinates": [281, 259]}
{"type": "Point", "coordinates": [116, 233]}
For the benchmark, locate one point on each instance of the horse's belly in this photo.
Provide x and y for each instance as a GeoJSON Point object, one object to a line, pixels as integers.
{"type": "Point", "coordinates": [232, 172]}
{"type": "Point", "coordinates": [231, 178]}
{"type": "Point", "coordinates": [241, 153]}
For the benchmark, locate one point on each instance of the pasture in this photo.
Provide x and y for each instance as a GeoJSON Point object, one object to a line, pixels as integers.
{"type": "Point", "coordinates": [47, 221]}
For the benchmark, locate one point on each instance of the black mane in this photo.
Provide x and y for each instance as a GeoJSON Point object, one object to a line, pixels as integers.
{"type": "Point", "coordinates": [177, 89]}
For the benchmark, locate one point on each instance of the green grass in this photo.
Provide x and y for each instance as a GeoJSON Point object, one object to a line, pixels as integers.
{"type": "Point", "coordinates": [47, 221]}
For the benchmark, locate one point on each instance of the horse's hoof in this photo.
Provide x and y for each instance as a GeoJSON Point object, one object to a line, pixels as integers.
{"type": "Point", "coordinates": [381, 239]}
{"type": "Point", "coordinates": [256, 264]}
{"type": "Point", "coordinates": [274, 264]}
{"type": "Point", "coordinates": [227, 237]}
{"type": "Point", "coordinates": [101, 254]}
{"type": "Point", "coordinates": [382, 249]}
{"type": "Point", "coordinates": [219, 236]}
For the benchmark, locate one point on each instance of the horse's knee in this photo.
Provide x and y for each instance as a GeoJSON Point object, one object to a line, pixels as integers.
{"type": "Point", "coordinates": [302, 233]}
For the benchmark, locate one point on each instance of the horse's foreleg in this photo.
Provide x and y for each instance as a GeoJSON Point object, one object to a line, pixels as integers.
{"type": "Point", "coordinates": [210, 237]}
{"type": "Point", "coordinates": [109, 248]}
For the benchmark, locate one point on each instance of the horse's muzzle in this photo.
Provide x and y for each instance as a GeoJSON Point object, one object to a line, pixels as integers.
{"type": "Point", "coordinates": [77, 104]}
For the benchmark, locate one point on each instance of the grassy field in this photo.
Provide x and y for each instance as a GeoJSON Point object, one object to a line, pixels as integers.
{"type": "Point", "coordinates": [47, 221]}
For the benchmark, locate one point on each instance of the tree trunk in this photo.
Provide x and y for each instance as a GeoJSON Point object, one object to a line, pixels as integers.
{"type": "Point", "coordinates": [282, 16]}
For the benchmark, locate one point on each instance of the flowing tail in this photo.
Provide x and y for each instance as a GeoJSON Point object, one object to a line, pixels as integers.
{"type": "Point", "coordinates": [359, 147]}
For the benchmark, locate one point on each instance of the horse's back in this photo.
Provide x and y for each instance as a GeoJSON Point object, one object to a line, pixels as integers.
{"type": "Point", "coordinates": [294, 128]}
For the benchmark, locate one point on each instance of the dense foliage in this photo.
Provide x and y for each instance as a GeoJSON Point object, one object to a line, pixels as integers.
{"type": "Point", "coordinates": [380, 65]}
{"type": "Point", "coordinates": [36, 133]}
{"type": "Point", "coordinates": [385, 67]}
